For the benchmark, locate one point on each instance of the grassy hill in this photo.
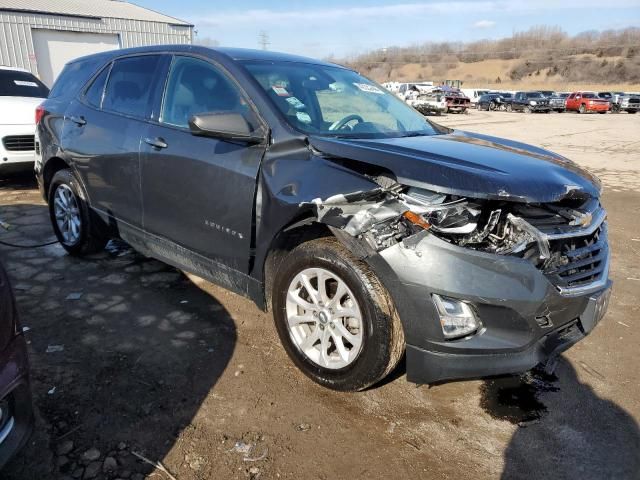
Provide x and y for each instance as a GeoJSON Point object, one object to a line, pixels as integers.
{"type": "Point", "coordinates": [543, 57]}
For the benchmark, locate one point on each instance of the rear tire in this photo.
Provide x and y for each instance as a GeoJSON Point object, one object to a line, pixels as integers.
{"type": "Point", "coordinates": [582, 109]}
{"type": "Point", "coordinates": [362, 348]}
{"type": "Point", "coordinates": [78, 229]}
{"type": "Point", "coordinates": [509, 107]}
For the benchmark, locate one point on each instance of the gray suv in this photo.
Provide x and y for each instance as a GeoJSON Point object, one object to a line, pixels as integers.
{"type": "Point", "coordinates": [366, 229]}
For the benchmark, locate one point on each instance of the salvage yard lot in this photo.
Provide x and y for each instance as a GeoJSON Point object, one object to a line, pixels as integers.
{"type": "Point", "coordinates": [130, 355]}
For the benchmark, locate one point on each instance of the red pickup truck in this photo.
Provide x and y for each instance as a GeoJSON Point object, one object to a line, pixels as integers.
{"type": "Point", "coordinates": [584, 102]}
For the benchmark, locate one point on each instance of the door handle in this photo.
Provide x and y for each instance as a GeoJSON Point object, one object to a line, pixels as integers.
{"type": "Point", "coordinates": [156, 142]}
{"type": "Point", "coordinates": [80, 121]}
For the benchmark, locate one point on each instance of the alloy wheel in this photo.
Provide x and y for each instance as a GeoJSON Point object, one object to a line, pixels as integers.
{"type": "Point", "coordinates": [67, 213]}
{"type": "Point", "coordinates": [324, 318]}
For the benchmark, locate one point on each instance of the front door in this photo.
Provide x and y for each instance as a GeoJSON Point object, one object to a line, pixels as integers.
{"type": "Point", "coordinates": [199, 192]}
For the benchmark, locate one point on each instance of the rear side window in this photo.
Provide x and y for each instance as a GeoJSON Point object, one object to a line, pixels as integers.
{"type": "Point", "coordinates": [130, 85]}
{"type": "Point", "coordinates": [14, 83]}
{"type": "Point", "coordinates": [73, 77]}
{"type": "Point", "coordinates": [95, 92]}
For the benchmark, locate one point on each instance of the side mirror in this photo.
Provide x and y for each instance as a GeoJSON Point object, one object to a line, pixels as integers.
{"type": "Point", "coordinates": [225, 125]}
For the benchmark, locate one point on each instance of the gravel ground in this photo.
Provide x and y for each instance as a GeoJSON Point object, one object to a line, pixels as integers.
{"type": "Point", "coordinates": [133, 359]}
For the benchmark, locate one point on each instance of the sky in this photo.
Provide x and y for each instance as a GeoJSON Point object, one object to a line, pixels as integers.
{"type": "Point", "coordinates": [342, 28]}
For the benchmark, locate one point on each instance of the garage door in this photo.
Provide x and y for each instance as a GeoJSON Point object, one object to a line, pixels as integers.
{"type": "Point", "coordinates": [54, 48]}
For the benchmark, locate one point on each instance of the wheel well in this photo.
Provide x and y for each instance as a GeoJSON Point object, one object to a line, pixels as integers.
{"type": "Point", "coordinates": [285, 241]}
{"type": "Point", "coordinates": [52, 166]}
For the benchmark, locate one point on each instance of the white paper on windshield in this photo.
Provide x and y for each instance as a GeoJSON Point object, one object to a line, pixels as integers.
{"type": "Point", "coordinates": [303, 117]}
{"type": "Point", "coordinates": [365, 87]}
{"type": "Point", "coordinates": [295, 103]}
{"type": "Point", "coordinates": [280, 91]}
{"type": "Point", "coordinates": [24, 83]}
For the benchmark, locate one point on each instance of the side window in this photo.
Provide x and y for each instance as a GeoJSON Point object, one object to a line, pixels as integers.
{"type": "Point", "coordinates": [196, 86]}
{"type": "Point", "coordinates": [403, 88]}
{"type": "Point", "coordinates": [95, 92]}
{"type": "Point", "coordinates": [73, 77]}
{"type": "Point", "coordinates": [130, 84]}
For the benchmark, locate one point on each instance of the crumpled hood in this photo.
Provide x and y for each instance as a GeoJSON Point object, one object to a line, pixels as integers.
{"type": "Point", "coordinates": [18, 110]}
{"type": "Point", "coordinates": [470, 164]}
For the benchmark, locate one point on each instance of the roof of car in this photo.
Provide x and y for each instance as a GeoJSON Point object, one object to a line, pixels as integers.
{"type": "Point", "coordinates": [236, 54]}
{"type": "Point", "coordinates": [15, 69]}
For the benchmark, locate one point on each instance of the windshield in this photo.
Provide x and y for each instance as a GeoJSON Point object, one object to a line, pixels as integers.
{"type": "Point", "coordinates": [325, 100]}
{"type": "Point", "coordinates": [14, 83]}
{"type": "Point", "coordinates": [534, 95]}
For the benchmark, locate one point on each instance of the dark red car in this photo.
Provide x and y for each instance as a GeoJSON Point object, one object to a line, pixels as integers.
{"type": "Point", "coordinates": [16, 413]}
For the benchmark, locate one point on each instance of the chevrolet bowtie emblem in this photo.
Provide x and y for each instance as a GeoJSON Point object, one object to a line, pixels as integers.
{"type": "Point", "coordinates": [582, 219]}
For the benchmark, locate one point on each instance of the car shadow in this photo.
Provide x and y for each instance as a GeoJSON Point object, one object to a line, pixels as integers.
{"type": "Point", "coordinates": [565, 430]}
{"type": "Point", "coordinates": [18, 179]}
{"type": "Point", "coordinates": [123, 350]}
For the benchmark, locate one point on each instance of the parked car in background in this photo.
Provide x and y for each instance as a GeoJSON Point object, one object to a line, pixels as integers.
{"type": "Point", "coordinates": [366, 229]}
{"type": "Point", "coordinates": [583, 102]}
{"type": "Point", "coordinates": [621, 102]}
{"type": "Point", "coordinates": [558, 101]}
{"type": "Point", "coordinates": [629, 103]}
{"type": "Point", "coordinates": [490, 101]}
{"type": "Point", "coordinates": [16, 413]}
{"type": "Point", "coordinates": [429, 103]}
{"type": "Point", "coordinates": [20, 93]}
{"type": "Point", "coordinates": [473, 94]}
{"type": "Point", "coordinates": [457, 102]}
{"type": "Point", "coordinates": [408, 90]}
{"type": "Point", "coordinates": [528, 102]}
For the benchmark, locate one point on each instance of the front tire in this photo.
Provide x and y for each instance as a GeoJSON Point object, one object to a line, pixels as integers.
{"type": "Point", "coordinates": [334, 317]}
{"type": "Point", "coordinates": [79, 230]}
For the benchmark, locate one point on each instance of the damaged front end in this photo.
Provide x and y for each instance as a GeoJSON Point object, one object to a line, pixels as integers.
{"type": "Point", "coordinates": [505, 285]}
{"type": "Point", "coordinates": [565, 240]}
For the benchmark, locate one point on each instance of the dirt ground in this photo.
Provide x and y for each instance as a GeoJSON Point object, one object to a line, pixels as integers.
{"type": "Point", "coordinates": [129, 355]}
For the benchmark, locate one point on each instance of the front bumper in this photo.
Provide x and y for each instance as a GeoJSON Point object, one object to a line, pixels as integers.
{"type": "Point", "coordinates": [14, 159]}
{"type": "Point", "coordinates": [14, 387]}
{"type": "Point", "coordinates": [525, 319]}
{"type": "Point", "coordinates": [540, 108]}
{"type": "Point", "coordinates": [598, 108]}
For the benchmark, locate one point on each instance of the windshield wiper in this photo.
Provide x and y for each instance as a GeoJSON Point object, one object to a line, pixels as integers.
{"type": "Point", "coordinates": [415, 134]}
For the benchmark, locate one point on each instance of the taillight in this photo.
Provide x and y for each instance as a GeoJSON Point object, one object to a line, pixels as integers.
{"type": "Point", "coordinates": [39, 113]}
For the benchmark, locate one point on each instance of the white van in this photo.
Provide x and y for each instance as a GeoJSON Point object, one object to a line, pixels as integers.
{"type": "Point", "coordinates": [474, 94]}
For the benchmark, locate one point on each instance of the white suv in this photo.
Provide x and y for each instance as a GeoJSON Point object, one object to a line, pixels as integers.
{"type": "Point", "coordinates": [20, 93]}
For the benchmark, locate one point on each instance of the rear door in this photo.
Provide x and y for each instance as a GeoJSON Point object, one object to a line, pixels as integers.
{"type": "Point", "coordinates": [103, 131]}
{"type": "Point", "coordinates": [199, 192]}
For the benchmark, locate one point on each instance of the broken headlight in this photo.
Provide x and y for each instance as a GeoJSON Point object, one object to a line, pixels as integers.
{"type": "Point", "coordinates": [446, 215]}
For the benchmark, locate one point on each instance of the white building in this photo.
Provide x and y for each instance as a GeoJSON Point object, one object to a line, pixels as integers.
{"type": "Point", "coordinates": [43, 35]}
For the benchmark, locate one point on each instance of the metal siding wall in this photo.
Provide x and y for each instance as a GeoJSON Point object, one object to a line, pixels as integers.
{"type": "Point", "coordinates": [16, 42]}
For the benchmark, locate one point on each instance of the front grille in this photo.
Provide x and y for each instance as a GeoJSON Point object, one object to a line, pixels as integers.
{"type": "Point", "coordinates": [579, 253]}
{"type": "Point", "coordinates": [578, 261]}
{"type": "Point", "coordinates": [19, 143]}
